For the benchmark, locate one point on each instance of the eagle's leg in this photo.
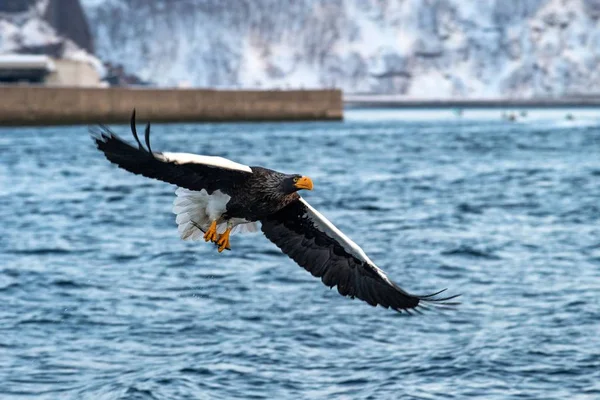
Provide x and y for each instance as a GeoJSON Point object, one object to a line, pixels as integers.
{"type": "Point", "coordinates": [223, 241]}
{"type": "Point", "coordinates": [211, 233]}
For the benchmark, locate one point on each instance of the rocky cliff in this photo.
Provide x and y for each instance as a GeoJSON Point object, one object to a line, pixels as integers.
{"type": "Point", "coordinates": [68, 19]}
{"type": "Point", "coordinates": [54, 27]}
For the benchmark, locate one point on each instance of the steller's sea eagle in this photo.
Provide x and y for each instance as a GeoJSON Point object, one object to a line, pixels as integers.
{"type": "Point", "coordinates": [216, 197]}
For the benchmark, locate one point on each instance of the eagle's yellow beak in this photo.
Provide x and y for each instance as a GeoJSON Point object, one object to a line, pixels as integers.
{"type": "Point", "coordinates": [304, 183]}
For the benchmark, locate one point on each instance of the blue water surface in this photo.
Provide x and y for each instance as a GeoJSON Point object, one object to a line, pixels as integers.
{"type": "Point", "coordinates": [100, 299]}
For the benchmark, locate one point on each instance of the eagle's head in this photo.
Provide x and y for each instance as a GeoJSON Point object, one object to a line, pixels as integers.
{"type": "Point", "coordinates": [293, 183]}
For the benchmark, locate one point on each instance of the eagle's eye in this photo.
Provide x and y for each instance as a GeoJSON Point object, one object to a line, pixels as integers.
{"type": "Point", "coordinates": [296, 179]}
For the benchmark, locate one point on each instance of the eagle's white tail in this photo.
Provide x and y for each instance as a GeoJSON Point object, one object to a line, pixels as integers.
{"type": "Point", "coordinates": [196, 210]}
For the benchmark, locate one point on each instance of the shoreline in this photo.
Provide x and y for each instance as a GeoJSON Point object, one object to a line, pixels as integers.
{"type": "Point", "coordinates": [385, 101]}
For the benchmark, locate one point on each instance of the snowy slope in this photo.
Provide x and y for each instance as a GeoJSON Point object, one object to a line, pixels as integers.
{"type": "Point", "coordinates": [420, 48]}
{"type": "Point", "coordinates": [30, 30]}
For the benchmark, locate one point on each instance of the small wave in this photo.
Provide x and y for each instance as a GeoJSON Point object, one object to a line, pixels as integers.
{"type": "Point", "coordinates": [354, 382]}
{"type": "Point", "coordinates": [124, 257]}
{"type": "Point", "coordinates": [466, 208]}
{"type": "Point", "coordinates": [270, 252]}
{"type": "Point", "coordinates": [372, 208]}
{"type": "Point", "coordinates": [290, 279]}
{"type": "Point", "coordinates": [467, 251]}
{"type": "Point", "coordinates": [9, 287]}
{"type": "Point", "coordinates": [39, 321]}
{"type": "Point", "coordinates": [251, 318]}
{"type": "Point", "coordinates": [70, 284]}
{"type": "Point", "coordinates": [114, 199]}
{"type": "Point", "coordinates": [117, 189]}
{"type": "Point", "coordinates": [575, 304]}
{"type": "Point", "coordinates": [196, 371]}
{"type": "Point", "coordinates": [42, 251]}
{"type": "Point", "coordinates": [134, 393]}
{"type": "Point", "coordinates": [450, 268]}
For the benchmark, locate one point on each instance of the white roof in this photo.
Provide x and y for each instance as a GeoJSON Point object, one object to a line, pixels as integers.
{"type": "Point", "coordinates": [26, 61]}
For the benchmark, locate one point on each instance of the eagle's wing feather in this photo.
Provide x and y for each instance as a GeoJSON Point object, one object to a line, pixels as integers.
{"type": "Point", "coordinates": [189, 171]}
{"type": "Point", "coordinates": [317, 245]}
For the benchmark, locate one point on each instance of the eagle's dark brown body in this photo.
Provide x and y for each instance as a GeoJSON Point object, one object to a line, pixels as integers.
{"type": "Point", "coordinates": [258, 195]}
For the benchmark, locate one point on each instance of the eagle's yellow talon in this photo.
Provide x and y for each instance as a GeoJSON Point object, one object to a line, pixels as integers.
{"type": "Point", "coordinates": [223, 241]}
{"type": "Point", "coordinates": [211, 233]}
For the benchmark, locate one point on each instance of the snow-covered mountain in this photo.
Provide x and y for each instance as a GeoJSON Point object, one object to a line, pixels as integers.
{"type": "Point", "coordinates": [419, 48]}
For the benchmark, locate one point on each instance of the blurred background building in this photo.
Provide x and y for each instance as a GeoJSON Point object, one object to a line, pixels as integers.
{"type": "Point", "coordinates": [50, 42]}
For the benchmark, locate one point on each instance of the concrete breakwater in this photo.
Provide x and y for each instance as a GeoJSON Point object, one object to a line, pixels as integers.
{"type": "Point", "coordinates": [31, 105]}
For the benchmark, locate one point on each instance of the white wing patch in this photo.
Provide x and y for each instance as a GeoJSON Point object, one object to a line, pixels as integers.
{"type": "Point", "coordinates": [197, 209]}
{"type": "Point", "coordinates": [325, 226]}
{"type": "Point", "coordinates": [188, 158]}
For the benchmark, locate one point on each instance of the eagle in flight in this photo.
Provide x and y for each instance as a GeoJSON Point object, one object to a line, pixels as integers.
{"type": "Point", "coordinates": [217, 197]}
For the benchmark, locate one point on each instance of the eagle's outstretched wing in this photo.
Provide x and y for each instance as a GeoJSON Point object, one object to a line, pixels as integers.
{"type": "Point", "coordinates": [317, 245]}
{"type": "Point", "coordinates": [186, 170]}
